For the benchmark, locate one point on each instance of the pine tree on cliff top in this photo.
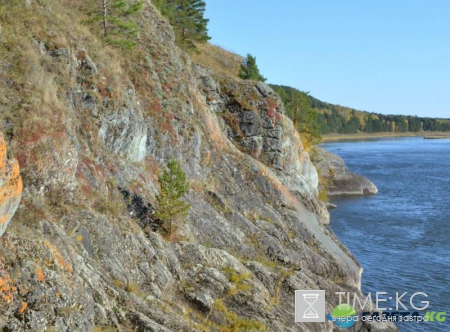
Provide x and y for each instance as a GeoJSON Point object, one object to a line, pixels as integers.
{"type": "Point", "coordinates": [249, 70]}
{"type": "Point", "coordinates": [187, 19]}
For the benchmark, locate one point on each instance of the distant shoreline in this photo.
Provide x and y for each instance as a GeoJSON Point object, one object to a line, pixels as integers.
{"type": "Point", "coordinates": [345, 137]}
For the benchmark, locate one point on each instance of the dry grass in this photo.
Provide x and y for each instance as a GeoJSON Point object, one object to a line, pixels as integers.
{"type": "Point", "coordinates": [218, 59]}
{"type": "Point", "coordinates": [33, 85]}
{"type": "Point", "coordinates": [324, 184]}
{"type": "Point", "coordinates": [132, 287]}
{"type": "Point", "coordinates": [109, 328]}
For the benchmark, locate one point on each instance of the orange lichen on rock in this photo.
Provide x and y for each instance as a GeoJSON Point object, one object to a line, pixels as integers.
{"type": "Point", "coordinates": [22, 308]}
{"type": "Point", "coordinates": [40, 275]}
{"type": "Point", "coordinates": [7, 289]}
{"type": "Point", "coordinates": [10, 186]}
{"type": "Point", "coordinates": [4, 218]}
{"type": "Point", "coordinates": [3, 154]}
{"type": "Point", "coordinates": [57, 257]}
{"type": "Point", "coordinates": [10, 174]}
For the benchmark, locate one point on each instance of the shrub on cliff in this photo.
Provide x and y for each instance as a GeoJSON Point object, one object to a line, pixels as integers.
{"type": "Point", "coordinates": [171, 207]}
{"type": "Point", "coordinates": [249, 70]}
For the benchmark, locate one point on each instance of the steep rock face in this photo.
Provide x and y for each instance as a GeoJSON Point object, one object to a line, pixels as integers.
{"type": "Point", "coordinates": [10, 186]}
{"type": "Point", "coordinates": [341, 181]}
{"type": "Point", "coordinates": [92, 127]}
{"type": "Point", "coordinates": [253, 117]}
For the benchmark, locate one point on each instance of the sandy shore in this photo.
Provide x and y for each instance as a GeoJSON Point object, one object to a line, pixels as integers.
{"type": "Point", "coordinates": [345, 137]}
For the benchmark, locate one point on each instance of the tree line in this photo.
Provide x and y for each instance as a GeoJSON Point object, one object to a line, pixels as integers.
{"type": "Point", "coordinates": [313, 118]}
{"type": "Point", "coordinates": [339, 119]}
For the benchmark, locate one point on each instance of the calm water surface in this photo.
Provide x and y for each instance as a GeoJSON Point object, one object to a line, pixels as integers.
{"type": "Point", "coordinates": [400, 236]}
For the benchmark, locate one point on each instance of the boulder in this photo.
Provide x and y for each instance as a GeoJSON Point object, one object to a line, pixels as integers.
{"type": "Point", "coordinates": [264, 89]}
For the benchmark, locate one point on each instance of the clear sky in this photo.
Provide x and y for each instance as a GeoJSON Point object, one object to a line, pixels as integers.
{"type": "Point", "coordinates": [385, 56]}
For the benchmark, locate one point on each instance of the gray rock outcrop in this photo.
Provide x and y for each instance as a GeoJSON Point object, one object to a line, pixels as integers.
{"type": "Point", "coordinates": [340, 181]}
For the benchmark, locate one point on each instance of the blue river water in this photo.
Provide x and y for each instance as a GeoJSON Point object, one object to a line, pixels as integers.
{"type": "Point", "coordinates": [401, 235]}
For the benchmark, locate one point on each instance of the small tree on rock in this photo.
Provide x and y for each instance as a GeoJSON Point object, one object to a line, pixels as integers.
{"type": "Point", "coordinates": [249, 70]}
{"type": "Point", "coordinates": [171, 207]}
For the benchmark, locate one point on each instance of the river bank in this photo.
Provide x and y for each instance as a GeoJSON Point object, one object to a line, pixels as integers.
{"type": "Point", "coordinates": [362, 136]}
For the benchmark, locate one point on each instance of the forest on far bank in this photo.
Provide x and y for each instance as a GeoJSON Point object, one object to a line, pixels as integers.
{"type": "Point", "coordinates": [345, 120]}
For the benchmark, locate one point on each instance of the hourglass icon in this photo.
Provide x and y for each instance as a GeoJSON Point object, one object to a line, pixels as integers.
{"type": "Point", "coordinates": [310, 299]}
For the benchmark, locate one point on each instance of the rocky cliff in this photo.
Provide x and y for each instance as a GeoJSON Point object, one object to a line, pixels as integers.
{"type": "Point", "coordinates": [91, 127]}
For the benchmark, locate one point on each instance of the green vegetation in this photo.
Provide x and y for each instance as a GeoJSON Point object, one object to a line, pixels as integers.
{"type": "Point", "coordinates": [304, 117]}
{"type": "Point", "coordinates": [170, 205]}
{"type": "Point", "coordinates": [239, 281]}
{"type": "Point", "coordinates": [117, 19]}
{"type": "Point", "coordinates": [249, 70]}
{"type": "Point", "coordinates": [313, 117]}
{"type": "Point", "coordinates": [187, 20]}
{"type": "Point", "coordinates": [345, 120]}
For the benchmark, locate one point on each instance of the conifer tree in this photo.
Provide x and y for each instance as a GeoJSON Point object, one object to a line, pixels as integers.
{"type": "Point", "coordinates": [170, 205]}
{"type": "Point", "coordinates": [187, 19]}
{"type": "Point", "coordinates": [249, 70]}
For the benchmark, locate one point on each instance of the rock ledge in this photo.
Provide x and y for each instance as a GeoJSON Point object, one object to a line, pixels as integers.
{"type": "Point", "coordinates": [341, 181]}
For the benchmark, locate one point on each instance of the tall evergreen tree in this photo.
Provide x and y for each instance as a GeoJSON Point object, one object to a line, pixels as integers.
{"type": "Point", "coordinates": [187, 19]}
{"type": "Point", "coordinates": [249, 70]}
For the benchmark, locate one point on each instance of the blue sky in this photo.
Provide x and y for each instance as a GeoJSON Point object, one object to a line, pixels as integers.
{"type": "Point", "coordinates": [386, 56]}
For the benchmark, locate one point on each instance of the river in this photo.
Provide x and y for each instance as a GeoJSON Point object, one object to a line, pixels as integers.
{"type": "Point", "coordinates": [400, 236]}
